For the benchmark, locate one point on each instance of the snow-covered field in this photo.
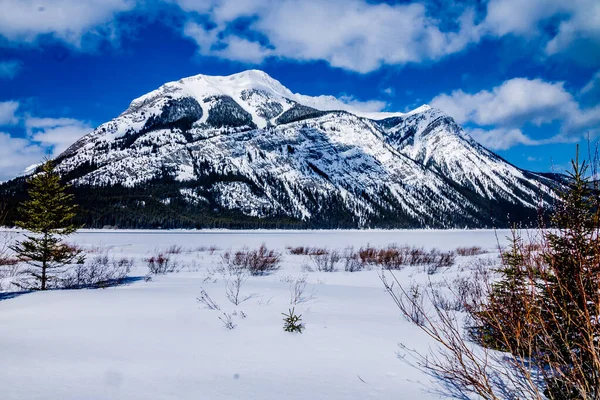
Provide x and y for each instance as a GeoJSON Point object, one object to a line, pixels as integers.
{"type": "Point", "coordinates": [154, 340]}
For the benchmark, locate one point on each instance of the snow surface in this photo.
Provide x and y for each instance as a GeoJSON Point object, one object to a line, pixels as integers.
{"type": "Point", "coordinates": [152, 340]}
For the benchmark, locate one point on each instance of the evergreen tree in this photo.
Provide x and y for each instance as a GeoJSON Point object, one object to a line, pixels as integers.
{"type": "Point", "coordinates": [47, 215]}
{"type": "Point", "coordinates": [503, 323]}
{"type": "Point", "coordinates": [570, 295]}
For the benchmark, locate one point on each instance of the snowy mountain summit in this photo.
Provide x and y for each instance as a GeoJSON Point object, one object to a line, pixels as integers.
{"type": "Point", "coordinates": [244, 151]}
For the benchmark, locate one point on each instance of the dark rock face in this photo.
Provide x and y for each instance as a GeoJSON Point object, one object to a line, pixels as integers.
{"type": "Point", "coordinates": [225, 112]}
{"type": "Point", "coordinates": [299, 112]}
{"type": "Point", "coordinates": [177, 113]}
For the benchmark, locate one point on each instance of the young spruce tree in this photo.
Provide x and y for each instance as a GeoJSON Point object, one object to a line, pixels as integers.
{"type": "Point", "coordinates": [47, 215]}
{"type": "Point", "coordinates": [570, 294]}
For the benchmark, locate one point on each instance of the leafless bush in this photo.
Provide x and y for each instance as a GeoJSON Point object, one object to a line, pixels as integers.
{"type": "Point", "coordinates": [257, 262]}
{"type": "Point", "coordinates": [397, 257]}
{"type": "Point", "coordinates": [10, 270]}
{"type": "Point", "coordinates": [9, 264]}
{"type": "Point", "coordinates": [326, 262]}
{"type": "Point", "coordinates": [460, 366]}
{"type": "Point", "coordinates": [205, 300]}
{"type": "Point", "coordinates": [174, 249]}
{"type": "Point", "coordinates": [99, 271]}
{"type": "Point", "coordinates": [306, 268]}
{"type": "Point", "coordinates": [522, 337]}
{"type": "Point", "coordinates": [415, 311]}
{"type": "Point", "coordinates": [307, 251]}
{"type": "Point", "coordinates": [298, 251]}
{"type": "Point", "coordinates": [161, 264]}
{"type": "Point", "coordinates": [233, 287]}
{"type": "Point", "coordinates": [227, 321]}
{"type": "Point", "coordinates": [461, 293]}
{"type": "Point", "coordinates": [351, 261]}
{"type": "Point", "coordinates": [297, 290]}
{"type": "Point", "coordinates": [470, 251]}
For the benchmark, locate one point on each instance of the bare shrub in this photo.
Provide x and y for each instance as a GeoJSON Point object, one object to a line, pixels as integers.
{"type": "Point", "coordinates": [415, 311]}
{"type": "Point", "coordinates": [298, 251]}
{"type": "Point", "coordinates": [100, 271]}
{"type": "Point", "coordinates": [257, 262]}
{"type": "Point", "coordinates": [7, 258]}
{"type": "Point", "coordinates": [326, 262]}
{"type": "Point", "coordinates": [297, 291]}
{"type": "Point", "coordinates": [174, 249]}
{"type": "Point", "coordinates": [351, 264]}
{"type": "Point", "coordinates": [307, 251]}
{"type": "Point", "coordinates": [397, 257]}
{"type": "Point", "coordinates": [460, 293]}
{"type": "Point", "coordinates": [161, 264]}
{"type": "Point", "coordinates": [469, 251]}
{"type": "Point", "coordinates": [205, 300]}
{"type": "Point", "coordinates": [234, 286]}
{"type": "Point", "coordinates": [306, 268]}
{"type": "Point", "coordinates": [532, 332]}
{"type": "Point", "coordinates": [10, 270]}
{"type": "Point", "coordinates": [9, 264]}
{"type": "Point", "coordinates": [227, 321]}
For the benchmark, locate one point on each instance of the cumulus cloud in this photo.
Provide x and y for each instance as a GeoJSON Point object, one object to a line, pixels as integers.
{"type": "Point", "coordinates": [590, 92]}
{"type": "Point", "coordinates": [67, 20]}
{"type": "Point", "coordinates": [576, 25]}
{"type": "Point", "coordinates": [42, 137]}
{"type": "Point", "coordinates": [56, 134]}
{"type": "Point", "coordinates": [16, 154]}
{"type": "Point", "coordinates": [8, 111]}
{"type": "Point", "coordinates": [362, 36]}
{"type": "Point", "coordinates": [513, 103]}
{"type": "Point", "coordinates": [9, 69]}
{"type": "Point", "coordinates": [351, 34]}
{"type": "Point", "coordinates": [360, 105]}
{"type": "Point", "coordinates": [357, 35]}
{"type": "Point", "coordinates": [508, 107]}
{"type": "Point", "coordinates": [501, 139]}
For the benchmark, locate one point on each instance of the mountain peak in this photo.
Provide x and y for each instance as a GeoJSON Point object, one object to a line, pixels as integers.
{"type": "Point", "coordinates": [244, 146]}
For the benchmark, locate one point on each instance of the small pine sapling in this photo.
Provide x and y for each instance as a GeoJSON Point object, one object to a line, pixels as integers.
{"type": "Point", "coordinates": [293, 322]}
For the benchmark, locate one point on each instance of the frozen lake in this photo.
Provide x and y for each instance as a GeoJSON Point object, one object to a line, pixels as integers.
{"type": "Point", "coordinates": [442, 239]}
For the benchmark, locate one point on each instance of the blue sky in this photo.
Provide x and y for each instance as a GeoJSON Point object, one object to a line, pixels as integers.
{"type": "Point", "coordinates": [522, 77]}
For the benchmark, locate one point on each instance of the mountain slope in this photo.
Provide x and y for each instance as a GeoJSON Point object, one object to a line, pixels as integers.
{"type": "Point", "coordinates": [244, 151]}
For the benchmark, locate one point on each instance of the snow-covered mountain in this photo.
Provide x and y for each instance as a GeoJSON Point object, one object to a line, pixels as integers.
{"type": "Point", "coordinates": [208, 149]}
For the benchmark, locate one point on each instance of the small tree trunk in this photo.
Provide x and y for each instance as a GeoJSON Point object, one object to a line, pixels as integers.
{"type": "Point", "coordinates": [46, 254]}
{"type": "Point", "coordinates": [44, 275]}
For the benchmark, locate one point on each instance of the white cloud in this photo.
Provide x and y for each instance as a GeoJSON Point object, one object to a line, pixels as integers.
{"type": "Point", "coordinates": [16, 154]}
{"type": "Point", "coordinates": [576, 25]}
{"type": "Point", "coordinates": [389, 91]}
{"type": "Point", "coordinates": [45, 137]}
{"type": "Point", "coordinates": [508, 107]}
{"type": "Point", "coordinates": [67, 20]}
{"type": "Point", "coordinates": [56, 134]}
{"type": "Point", "coordinates": [518, 101]}
{"type": "Point", "coordinates": [513, 103]}
{"type": "Point", "coordinates": [357, 35]}
{"type": "Point", "coordinates": [9, 69]}
{"type": "Point", "coordinates": [7, 112]}
{"type": "Point", "coordinates": [362, 36]}
{"type": "Point", "coordinates": [501, 139]}
{"type": "Point", "coordinates": [590, 93]}
{"type": "Point", "coordinates": [350, 34]}
{"type": "Point", "coordinates": [360, 105]}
